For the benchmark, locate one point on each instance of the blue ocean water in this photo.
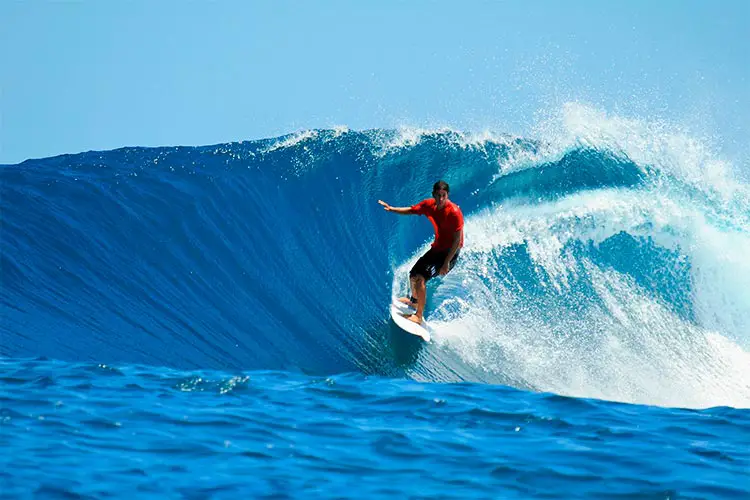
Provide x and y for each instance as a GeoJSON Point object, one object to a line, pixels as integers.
{"type": "Point", "coordinates": [212, 322]}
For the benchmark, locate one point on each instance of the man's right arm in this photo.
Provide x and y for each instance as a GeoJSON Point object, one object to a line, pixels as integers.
{"type": "Point", "coordinates": [398, 210]}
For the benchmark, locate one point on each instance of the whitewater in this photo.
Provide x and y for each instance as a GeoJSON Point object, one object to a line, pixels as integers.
{"type": "Point", "coordinates": [196, 315]}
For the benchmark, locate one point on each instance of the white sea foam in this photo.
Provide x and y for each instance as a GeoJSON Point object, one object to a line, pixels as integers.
{"type": "Point", "coordinates": [291, 140]}
{"type": "Point", "coordinates": [620, 340]}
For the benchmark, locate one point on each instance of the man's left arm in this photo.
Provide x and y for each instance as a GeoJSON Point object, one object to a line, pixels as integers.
{"type": "Point", "coordinates": [454, 248]}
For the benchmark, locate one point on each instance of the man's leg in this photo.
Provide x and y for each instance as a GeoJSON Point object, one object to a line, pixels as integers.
{"type": "Point", "coordinates": [417, 273]}
{"type": "Point", "coordinates": [420, 292]}
{"type": "Point", "coordinates": [409, 300]}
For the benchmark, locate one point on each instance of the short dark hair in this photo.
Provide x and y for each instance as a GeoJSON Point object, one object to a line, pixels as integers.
{"type": "Point", "coordinates": [441, 185]}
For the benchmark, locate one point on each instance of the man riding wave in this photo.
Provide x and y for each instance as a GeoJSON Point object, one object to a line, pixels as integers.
{"type": "Point", "coordinates": [448, 222]}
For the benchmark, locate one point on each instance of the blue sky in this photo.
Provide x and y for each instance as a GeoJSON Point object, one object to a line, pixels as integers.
{"type": "Point", "coordinates": [106, 74]}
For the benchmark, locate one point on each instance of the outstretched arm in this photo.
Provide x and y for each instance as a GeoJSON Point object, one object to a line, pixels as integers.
{"type": "Point", "coordinates": [398, 210]}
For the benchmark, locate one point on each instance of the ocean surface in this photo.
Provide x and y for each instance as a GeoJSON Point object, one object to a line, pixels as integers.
{"type": "Point", "coordinates": [212, 322]}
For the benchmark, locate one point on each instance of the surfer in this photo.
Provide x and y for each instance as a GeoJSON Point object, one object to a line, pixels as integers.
{"type": "Point", "coordinates": [448, 221]}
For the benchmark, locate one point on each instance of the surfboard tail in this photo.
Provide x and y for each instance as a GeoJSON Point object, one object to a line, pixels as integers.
{"type": "Point", "coordinates": [399, 313]}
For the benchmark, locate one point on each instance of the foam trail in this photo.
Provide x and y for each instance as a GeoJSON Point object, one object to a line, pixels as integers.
{"type": "Point", "coordinates": [632, 294]}
{"type": "Point", "coordinates": [571, 324]}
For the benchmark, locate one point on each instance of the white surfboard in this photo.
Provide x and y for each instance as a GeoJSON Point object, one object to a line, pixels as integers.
{"type": "Point", "coordinates": [398, 310]}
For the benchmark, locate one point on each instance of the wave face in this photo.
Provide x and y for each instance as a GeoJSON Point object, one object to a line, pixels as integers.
{"type": "Point", "coordinates": [605, 258]}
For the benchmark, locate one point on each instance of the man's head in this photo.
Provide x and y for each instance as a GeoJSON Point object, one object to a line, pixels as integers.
{"type": "Point", "coordinates": [440, 192]}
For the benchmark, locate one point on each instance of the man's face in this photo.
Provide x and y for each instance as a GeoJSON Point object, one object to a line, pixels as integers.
{"type": "Point", "coordinates": [441, 196]}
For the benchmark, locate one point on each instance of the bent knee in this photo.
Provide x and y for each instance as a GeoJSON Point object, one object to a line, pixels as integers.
{"type": "Point", "coordinates": [418, 279]}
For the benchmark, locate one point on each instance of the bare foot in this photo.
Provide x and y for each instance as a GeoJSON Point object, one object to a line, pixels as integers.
{"type": "Point", "coordinates": [407, 301]}
{"type": "Point", "coordinates": [414, 318]}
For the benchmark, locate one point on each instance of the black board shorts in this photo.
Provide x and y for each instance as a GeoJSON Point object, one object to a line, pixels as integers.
{"type": "Point", "coordinates": [430, 263]}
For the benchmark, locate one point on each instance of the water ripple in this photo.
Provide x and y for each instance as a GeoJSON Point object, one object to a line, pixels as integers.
{"type": "Point", "coordinates": [257, 434]}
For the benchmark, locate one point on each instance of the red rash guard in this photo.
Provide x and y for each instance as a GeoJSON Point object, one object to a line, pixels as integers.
{"type": "Point", "coordinates": [446, 222]}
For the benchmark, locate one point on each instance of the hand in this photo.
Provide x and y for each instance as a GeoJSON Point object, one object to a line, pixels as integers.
{"type": "Point", "coordinates": [444, 270]}
{"type": "Point", "coordinates": [386, 206]}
